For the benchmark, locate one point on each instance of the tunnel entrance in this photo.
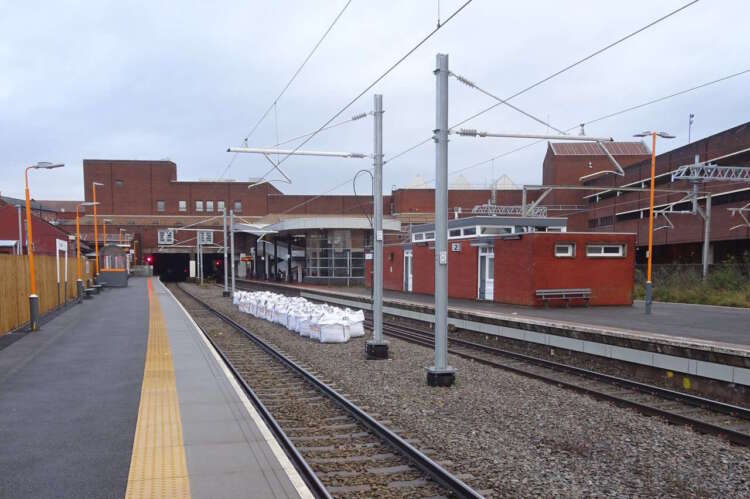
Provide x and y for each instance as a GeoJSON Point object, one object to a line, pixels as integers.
{"type": "Point", "coordinates": [172, 266]}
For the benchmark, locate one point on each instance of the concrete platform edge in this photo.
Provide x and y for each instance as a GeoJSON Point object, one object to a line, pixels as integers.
{"type": "Point", "coordinates": [297, 482]}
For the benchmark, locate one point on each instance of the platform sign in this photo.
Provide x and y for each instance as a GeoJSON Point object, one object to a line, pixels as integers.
{"type": "Point", "coordinates": [61, 245]}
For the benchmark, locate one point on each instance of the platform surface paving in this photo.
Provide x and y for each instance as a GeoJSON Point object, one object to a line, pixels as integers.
{"type": "Point", "coordinates": [122, 395]}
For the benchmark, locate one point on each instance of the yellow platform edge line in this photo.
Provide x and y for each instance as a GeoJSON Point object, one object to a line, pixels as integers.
{"type": "Point", "coordinates": [157, 466]}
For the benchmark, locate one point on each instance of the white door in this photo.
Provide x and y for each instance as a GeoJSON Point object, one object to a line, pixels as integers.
{"type": "Point", "coordinates": [486, 274]}
{"type": "Point", "coordinates": [407, 270]}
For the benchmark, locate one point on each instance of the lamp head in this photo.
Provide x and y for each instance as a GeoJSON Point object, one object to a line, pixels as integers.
{"type": "Point", "coordinates": [47, 165]}
{"type": "Point", "coordinates": [642, 134]}
{"type": "Point", "coordinates": [98, 184]}
{"type": "Point", "coordinates": [665, 135]}
{"type": "Point", "coordinates": [89, 203]}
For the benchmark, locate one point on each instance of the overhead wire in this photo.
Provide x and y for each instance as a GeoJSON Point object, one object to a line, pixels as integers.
{"type": "Point", "coordinates": [289, 83]}
{"type": "Point", "coordinates": [352, 101]}
{"type": "Point", "coordinates": [559, 72]}
{"type": "Point", "coordinates": [607, 116]}
{"type": "Point", "coordinates": [379, 78]}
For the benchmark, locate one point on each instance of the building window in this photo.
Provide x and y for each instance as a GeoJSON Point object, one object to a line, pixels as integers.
{"type": "Point", "coordinates": [199, 206]}
{"type": "Point", "coordinates": [605, 250]}
{"type": "Point", "coordinates": [118, 183]}
{"type": "Point", "coordinates": [429, 236]}
{"type": "Point", "coordinates": [470, 231]}
{"type": "Point", "coordinates": [206, 237]}
{"type": "Point", "coordinates": [419, 236]}
{"type": "Point", "coordinates": [220, 205]}
{"type": "Point", "coordinates": [565, 250]}
{"type": "Point", "coordinates": [166, 236]}
{"type": "Point", "coordinates": [608, 220]}
{"type": "Point", "coordinates": [182, 205]}
{"type": "Point", "coordinates": [160, 206]}
{"type": "Point", "coordinates": [238, 206]}
{"type": "Point", "coordinates": [209, 206]}
{"type": "Point", "coordinates": [454, 233]}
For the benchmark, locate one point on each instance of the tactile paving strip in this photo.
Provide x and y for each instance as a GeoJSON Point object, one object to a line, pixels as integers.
{"type": "Point", "coordinates": [157, 466]}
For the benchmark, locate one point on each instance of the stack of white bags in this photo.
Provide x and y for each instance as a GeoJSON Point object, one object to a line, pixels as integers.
{"type": "Point", "coordinates": [323, 323]}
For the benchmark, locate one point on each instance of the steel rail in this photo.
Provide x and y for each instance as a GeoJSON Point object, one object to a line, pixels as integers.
{"type": "Point", "coordinates": [436, 472]}
{"type": "Point", "coordinates": [421, 337]}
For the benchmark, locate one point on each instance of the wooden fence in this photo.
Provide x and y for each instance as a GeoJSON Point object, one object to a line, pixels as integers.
{"type": "Point", "coordinates": [14, 286]}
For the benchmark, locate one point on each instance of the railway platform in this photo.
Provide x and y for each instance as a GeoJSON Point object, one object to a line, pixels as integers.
{"type": "Point", "coordinates": [699, 322]}
{"type": "Point", "coordinates": [122, 396]}
{"type": "Point", "coordinates": [699, 342]}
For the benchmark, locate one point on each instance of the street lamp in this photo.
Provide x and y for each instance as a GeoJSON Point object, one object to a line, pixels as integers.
{"type": "Point", "coordinates": [105, 221]}
{"type": "Point", "coordinates": [33, 297]}
{"type": "Point", "coordinates": [79, 283]}
{"type": "Point", "coordinates": [663, 135]}
{"type": "Point", "coordinates": [96, 230]}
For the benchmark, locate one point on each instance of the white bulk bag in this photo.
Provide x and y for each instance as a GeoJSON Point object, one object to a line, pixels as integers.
{"type": "Point", "coordinates": [305, 326]}
{"type": "Point", "coordinates": [354, 321]}
{"type": "Point", "coordinates": [315, 326]}
{"type": "Point", "coordinates": [332, 329]}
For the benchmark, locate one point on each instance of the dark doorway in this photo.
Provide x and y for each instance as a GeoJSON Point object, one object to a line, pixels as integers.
{"type": "Point", "coordinates": [172, 266]}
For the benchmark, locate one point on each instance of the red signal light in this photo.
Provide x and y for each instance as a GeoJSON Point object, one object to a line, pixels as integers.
{"type": "Point", "coordinates": [149, 259]}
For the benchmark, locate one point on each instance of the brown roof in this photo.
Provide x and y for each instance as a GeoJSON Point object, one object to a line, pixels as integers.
{"type": "Point", "coordinates": [64, 206]}
{"type": "Point", "coordinates": [592, 149]}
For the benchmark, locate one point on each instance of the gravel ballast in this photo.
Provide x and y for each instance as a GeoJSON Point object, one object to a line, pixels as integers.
{"type": "Point", "coordinates": [509, 435]}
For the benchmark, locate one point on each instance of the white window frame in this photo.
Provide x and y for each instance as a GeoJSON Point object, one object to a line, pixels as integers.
{"type": "Point", "coordinates": [206, 236]}
{"type": "Point", "coordinates": [465, 231]}
{"type": "Point", "coordinates": [597, 251]}
{"type": "Point", "coordinates": [182, 205]}
{"type": "Point", "coordinates": [219, 205]}
{"type": "Point", "coordinates": [454, 233]}
{"type": "Point", "coordinates": [570, 250]}
{"type": "Point", "coordinates": [161, 206]}
{"type": "Point", "coordinates": [165, 237]}
{"type": "Point", "coordinates": [210, 206]}
{"type": "Point", "coordinates": [198, 205]}
{"type": "Point", "coordinates": [238, 206]}
{"type": "Point", "coordinates": [417, 237]}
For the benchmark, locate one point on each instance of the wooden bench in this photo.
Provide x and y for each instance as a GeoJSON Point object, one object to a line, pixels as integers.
{"type": "Point", "coordinates": [546, 295]}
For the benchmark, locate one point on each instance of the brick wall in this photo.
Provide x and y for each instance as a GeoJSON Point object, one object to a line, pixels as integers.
{"type": "Point", "coordinates": [522, 266]}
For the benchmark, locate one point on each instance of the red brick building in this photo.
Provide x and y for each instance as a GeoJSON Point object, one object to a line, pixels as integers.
{"type": "Point", "coordinates": [514, 267]}
{"type": "Point", "coordinates": [678, 237]}
{"type": "Point", "coordinates": [44, 232]}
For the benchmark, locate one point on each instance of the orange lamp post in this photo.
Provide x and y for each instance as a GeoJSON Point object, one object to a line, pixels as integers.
{"type": "Point", "coordinates": [104, 230]}
{"type": "Point", "coordinates": [33, 297]}
{"type": "Point", "coordinates": [649, 287]}
{"type": "Point", "coordinates": [96, 230]}
{"type": "Point", "coordinates": [78, 247]}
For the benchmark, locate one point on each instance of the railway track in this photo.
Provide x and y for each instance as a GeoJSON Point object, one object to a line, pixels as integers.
{"type": "Point", "coordinates": [705, 415]}
{"type": "Point", "coordinates": [340, 450]}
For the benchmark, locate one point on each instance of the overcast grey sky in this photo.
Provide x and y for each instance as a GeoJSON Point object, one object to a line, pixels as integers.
{"type": "Point", "coordinates": [183, 80]}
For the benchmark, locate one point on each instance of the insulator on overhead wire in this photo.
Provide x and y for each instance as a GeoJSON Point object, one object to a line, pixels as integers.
{"type": "Point", "coordinates": [359, 116]}
{"type": "Point", "coordinates": [464, 80]}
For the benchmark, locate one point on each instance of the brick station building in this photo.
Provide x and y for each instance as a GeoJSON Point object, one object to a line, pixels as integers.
{"type": "Point", "coordinates": [147, 201]}
{"type": "Point", "coordinates": [518, 260]}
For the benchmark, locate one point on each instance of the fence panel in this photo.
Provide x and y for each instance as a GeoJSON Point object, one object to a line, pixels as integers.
{"type": "Point", "coordinates": [14, 287]}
